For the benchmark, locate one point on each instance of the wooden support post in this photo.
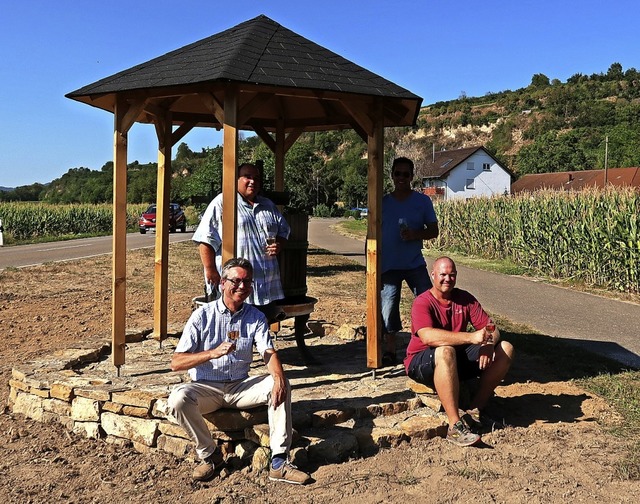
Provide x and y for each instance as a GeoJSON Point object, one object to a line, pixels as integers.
{"type": "Point", "coordinates": [163, 195]}
{"type": "Point", "coordinates": [119, 257]}
{"type": "Point", "coordinates": [230, 175]}
{"type": "Point", "coordinates": [375, 147]}
{"type": "Point", "coordinates": [279, 155]}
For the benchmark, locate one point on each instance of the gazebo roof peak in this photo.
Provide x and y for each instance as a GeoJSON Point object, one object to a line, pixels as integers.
{"type": "Point", "coordinates": [258, 51]}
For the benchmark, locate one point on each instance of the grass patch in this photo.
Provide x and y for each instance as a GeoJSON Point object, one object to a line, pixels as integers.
{"type": "Point", "coordinates": [408, 479]}
{"type": "Point", "coordinates": [48, 239]}
{"type": "Point", "coordinates": [623, 392]}
{"type": "Point", "coordinates": [352, 227]}
{"type": "Point", "coordinates": [505, 267]}
{"type": "Point", "coordinates": [477, 474]}
{"type": "Point", "coordinates": [563, 360]}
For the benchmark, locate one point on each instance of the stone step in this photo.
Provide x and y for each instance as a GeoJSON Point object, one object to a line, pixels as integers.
{"type": "Point", "coordinates": [340, 410]}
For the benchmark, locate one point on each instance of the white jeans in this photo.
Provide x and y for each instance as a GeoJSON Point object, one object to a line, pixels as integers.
{"type": "Point", "coordinates": [189, 401]}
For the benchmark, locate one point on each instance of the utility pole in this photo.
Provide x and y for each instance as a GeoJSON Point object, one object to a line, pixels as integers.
{"type": "Point", "coordinates": [606, 158]}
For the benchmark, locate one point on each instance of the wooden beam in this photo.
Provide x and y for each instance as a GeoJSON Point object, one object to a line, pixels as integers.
{"type": "Point", "coordinates": [161, 262]}
{"type": "Point", "coordinates": [182, 130]}
{"type": "Point", "coordinates": [361, 133]}
{"type": "Point", "coordinates": [213, 106]}
{"type": "Point", "coordinates": [252, 106]}
{"type": "Point", "coordinates": [291, 138]}
{"type": "Point", "coordinates": [360, 115]}
{"type": "Point", "coordinates": [266, 138]}
{"type": "Point", "coordinates": [375, 149]}
{"type": "Point", "coordinates": [230, 175]}
{"type": "Point", "coordinates": [131, 115]}
{"type": "Point", "coordinates": [119, 256]}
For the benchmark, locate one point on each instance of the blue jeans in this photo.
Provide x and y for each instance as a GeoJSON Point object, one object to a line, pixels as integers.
{"type": "Point", "coordinates": [418, 281]}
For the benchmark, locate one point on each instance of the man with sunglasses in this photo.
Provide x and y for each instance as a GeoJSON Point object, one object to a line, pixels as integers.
{"type": "Point", "coordinates": [216, 347]}
{"type": "Point", "coordinates": [257, 218]}
{"type": "Point", "coordinates": [408, 218]}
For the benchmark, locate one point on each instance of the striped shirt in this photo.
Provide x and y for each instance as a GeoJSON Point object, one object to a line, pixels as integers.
{"type": "Point", "coordinates": [208, 327]}
{"type": "Point", "coordinates": [254, 221]}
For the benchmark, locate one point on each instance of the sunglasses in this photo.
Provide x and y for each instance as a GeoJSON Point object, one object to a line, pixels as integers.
{"type": "Point", "coordinates": [401, 174]}
{"type": "Point", "coordinates": [246, 282]}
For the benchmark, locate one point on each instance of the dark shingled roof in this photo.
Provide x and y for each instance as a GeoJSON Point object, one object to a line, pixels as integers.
{"type": "Point", "coordinates": [280, 79]}
{"type": "Point", "coordinates": [258, 51]}
{"type": "Point", "coordinates": [443, 162]}
{"type": "Point", "coordinates": [577, 180]}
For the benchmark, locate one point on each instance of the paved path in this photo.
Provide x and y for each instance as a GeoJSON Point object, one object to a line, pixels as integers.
{"type": "Point", "coordinates": [600, 324]}
{"type": "Point", "coordinates": [21, 256]}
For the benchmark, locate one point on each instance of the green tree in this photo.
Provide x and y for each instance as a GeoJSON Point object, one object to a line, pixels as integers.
{"type": "Point", "coordinates": [540, 80]}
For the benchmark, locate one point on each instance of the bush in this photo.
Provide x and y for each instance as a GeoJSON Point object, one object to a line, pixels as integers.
{"type": "Point", "coordinates": [321, 210]}
{"type": "Point", "coordinates": [354, 214]}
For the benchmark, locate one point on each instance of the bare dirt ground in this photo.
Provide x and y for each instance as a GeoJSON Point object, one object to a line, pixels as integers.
{"type": "Point", "coordinates": [556, 447]}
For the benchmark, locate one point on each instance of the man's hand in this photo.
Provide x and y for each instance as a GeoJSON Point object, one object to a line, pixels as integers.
{"type": "Point", "coordinates": [481, 337]}
{"type": "Point", "coordinates": [274, 249]}
{"type": "Point", "coordinates": [486, 356]}
{"type": "Point", "coordinates": [279, 391]}
{"type": "Point", "coordinates": [212, 276]}
{"type": "Point", "coordinates": [224, 349]}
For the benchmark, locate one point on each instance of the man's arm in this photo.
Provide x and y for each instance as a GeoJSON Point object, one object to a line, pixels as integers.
{"type": "Point", "coordinates": [441, 337]}
{"type": "Point", "coordinates": [429, 232]}
{"type": "Point", "coordinates": [274, 366]}
{"type": "Point", "coordinates": [208, 258]}
{"type": "Point", "coordinates": [181, 361]}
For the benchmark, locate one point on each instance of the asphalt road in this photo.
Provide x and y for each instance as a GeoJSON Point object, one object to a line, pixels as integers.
{"type": "Point", "coordinates": [21, 256]}
{"type": "Point", "coordinates": [602, 325]}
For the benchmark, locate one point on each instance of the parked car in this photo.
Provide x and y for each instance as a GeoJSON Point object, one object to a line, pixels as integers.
{"type": "Point", "coordinates": [177, 219]}
{"type": "Point", "coordinates": [363, 212]}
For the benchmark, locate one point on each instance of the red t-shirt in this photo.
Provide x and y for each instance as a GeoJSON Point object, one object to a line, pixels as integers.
{"type": "Point", "coordinates": [427, 311]}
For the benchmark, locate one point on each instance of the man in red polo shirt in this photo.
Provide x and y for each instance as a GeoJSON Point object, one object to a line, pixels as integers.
{"type": "Point", "coordinates": [442, 352]}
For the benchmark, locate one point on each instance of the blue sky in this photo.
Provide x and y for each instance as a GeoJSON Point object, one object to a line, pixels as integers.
{"type": "Point", "coordinates": [436, 49]}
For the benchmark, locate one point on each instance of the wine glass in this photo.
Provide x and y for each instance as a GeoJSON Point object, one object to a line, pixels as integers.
{"type": "Point", "coordinates": [403, 225]}
{"type": "Point", "coordinates": [490, 328]}
{"type": "Point", "coordinates": [271, 239]}
{"type": "Point", "coordinates": [233, 334]}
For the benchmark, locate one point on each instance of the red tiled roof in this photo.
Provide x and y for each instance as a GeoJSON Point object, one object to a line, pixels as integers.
{"type": "Point", "coordinates": [577, 180]}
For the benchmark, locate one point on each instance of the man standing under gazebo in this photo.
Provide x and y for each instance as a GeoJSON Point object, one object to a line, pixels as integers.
{"type": "Point", "coordinates": [408, 218]}
{"type": "Point", "coordinates": [262, 230]}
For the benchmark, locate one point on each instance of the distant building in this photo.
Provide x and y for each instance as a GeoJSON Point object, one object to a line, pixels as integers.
{"type": "Point", "coordinates": [464, 173]}
{"type": "Point", "coordinates": [577, 180]}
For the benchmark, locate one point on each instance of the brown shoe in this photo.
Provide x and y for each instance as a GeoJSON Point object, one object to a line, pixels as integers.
{"type": "Point", "coordinates": [205, 470]}
{"type": "Point", "coordinates": [289, 474]}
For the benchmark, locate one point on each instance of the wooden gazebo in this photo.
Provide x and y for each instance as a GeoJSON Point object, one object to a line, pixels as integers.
{"type": "Point", "coordinates": [257, 76]}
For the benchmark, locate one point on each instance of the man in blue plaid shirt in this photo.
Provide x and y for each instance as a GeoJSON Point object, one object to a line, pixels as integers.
{"type": "Point", "coordinates": [216, 347]}
{"type": "Point", "coordinates": [257, 218]}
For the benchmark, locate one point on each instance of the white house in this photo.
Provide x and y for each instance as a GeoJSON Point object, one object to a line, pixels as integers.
{"type": "Point", "coordinates": [464, 173]}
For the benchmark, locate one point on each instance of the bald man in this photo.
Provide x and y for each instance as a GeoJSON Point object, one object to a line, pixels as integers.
{"type": "Point", "coordinates": [442, 352]}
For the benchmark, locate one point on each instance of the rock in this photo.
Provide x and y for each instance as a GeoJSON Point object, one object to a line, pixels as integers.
{"type": "Point", "coordinates": [351, 333]}
{"type": "Point", "coordinates": [261, 458]}
{"type": "Point", "coordinates": [337, 447]}
{"type": "Point", "coordinates": [134, 429]}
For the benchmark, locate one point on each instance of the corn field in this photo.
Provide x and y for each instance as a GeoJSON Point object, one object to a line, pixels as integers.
{"type": "Point", "coordinates": [31, 221]}
{"type": "Point", "coordinates": [591, 237]}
